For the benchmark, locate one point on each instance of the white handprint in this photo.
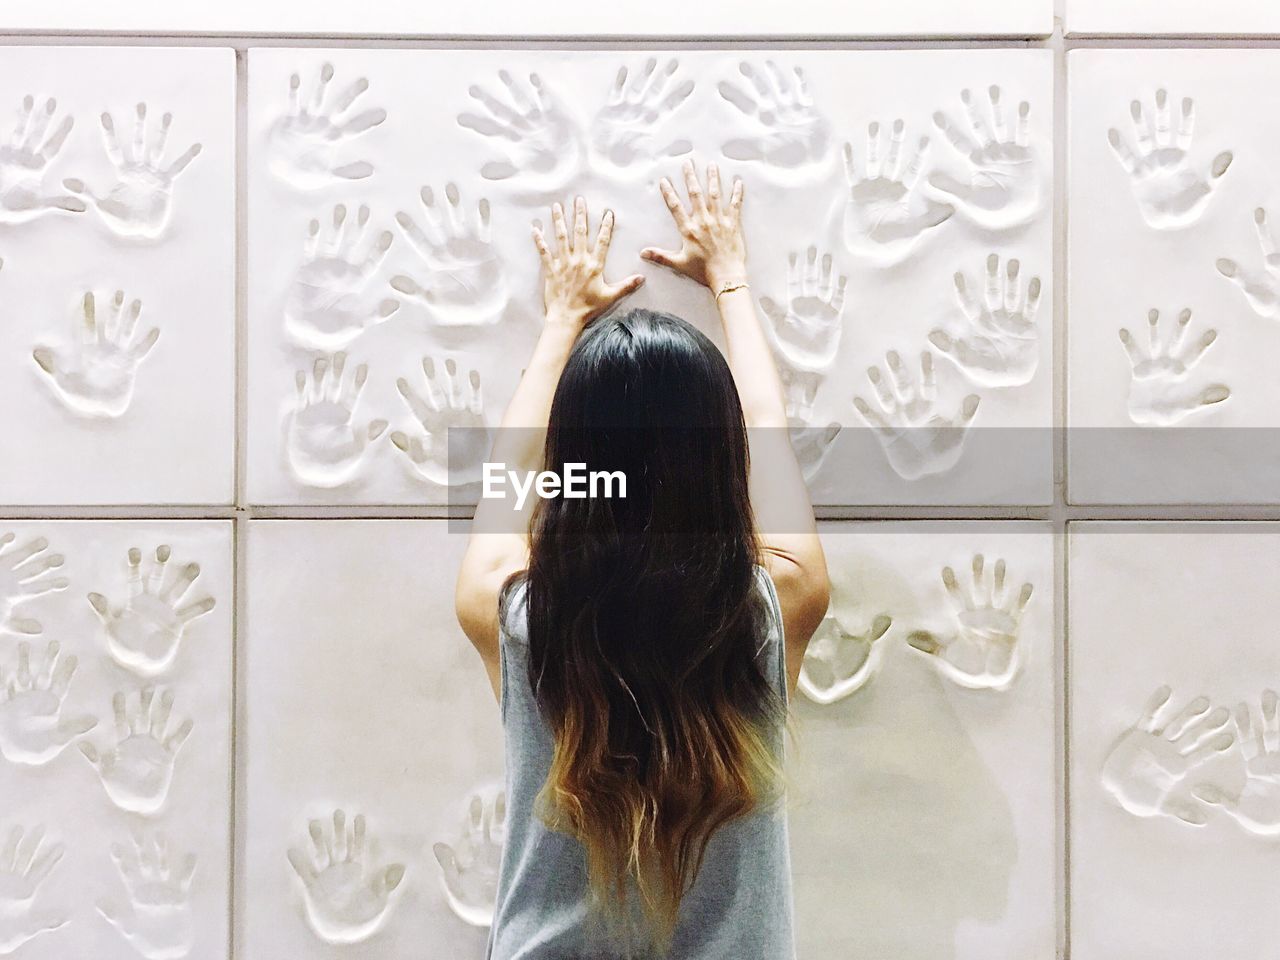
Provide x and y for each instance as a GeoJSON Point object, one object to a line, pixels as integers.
{"type": "Point", "coordinates": [144, 634]}
{"type": "Point", "coordinates": [310, 144]}
{"type": "Point", "coordinates": [626, 129]}
{"type": "Point", "coordinates": [1003, 186]}
{"type": "Point", "coordinates": [999, 346]}
{"type": "Point", "coordinates": [791, 132]}
{"type": "Point", "coordinates": [1256, 807]}
{"type": "Point", "coordinates": [346, 896]}
{"type": "Point", "coordinates": [1261, 289]}
{"type": "Point", "coordinates": [837, 663]}
{"type": "Point", "coordinates": [1168, 191]}
{"type": "Point", "coordinates": [325, 448]}
{"type": "Point", "coordinates": [886, 215]}
{"type": "Point", "coordinates": [1159, 394]}
{"type": "Point", "coordinates": [32, 728]}
{"type": "Point", "coordinates": [469, 868]}
{"type": "Point", "coordinates": [24, 162]}
{"type": "Point", "coordinates": [25, 863]}
{"type": "Point", "coordinates": [809, 442]}
{"type": "Point", "coordinates": [95, 376]}
{"type": "Point", "coordinates": [328, 305]}
{"type": "Point", "coordinates": [140, 202]}
{"type": "Point", "coordinates": [807, 331]}
{"type": "Point", "coordinates": [26, 572]}
{"type": "Point", "coordinates": [917, 440]}
{"type": "Point", "coordinates": [437, 454]}
{"type": "Point", "coordinates": [985, 652]}
{"type": "Point", "coordinates": [531, 128]}
{"type": "Point", "coordinates": [464, 282]}
{"type": "Point", "coordinates": [138, 770]}
{"type": "Point", "coordinates": [1154, 757]}
{"type": "Point", "coordinates": [158, 923]}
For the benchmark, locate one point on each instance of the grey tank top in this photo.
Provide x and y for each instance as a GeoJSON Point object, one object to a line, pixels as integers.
{"type": "Point", "coordinates": [739, 907]}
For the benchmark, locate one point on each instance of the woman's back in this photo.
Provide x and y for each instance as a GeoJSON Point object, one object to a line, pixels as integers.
{"type": "Point", "coordinates": [739, 906]}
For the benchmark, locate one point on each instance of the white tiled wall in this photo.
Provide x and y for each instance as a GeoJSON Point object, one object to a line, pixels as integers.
{"type": "Point", "coordinates": [226, 639]}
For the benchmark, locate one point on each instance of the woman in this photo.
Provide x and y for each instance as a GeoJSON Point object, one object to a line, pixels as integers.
{"type": "Point", "coordinates": [643, 648]}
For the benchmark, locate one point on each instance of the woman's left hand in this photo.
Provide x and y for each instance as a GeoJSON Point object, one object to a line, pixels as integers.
{"type": "Point", "coordinates": [574, 288]}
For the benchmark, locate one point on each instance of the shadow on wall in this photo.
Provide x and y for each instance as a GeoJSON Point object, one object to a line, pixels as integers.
{"type": "Point", "coordinates": [899, 830]}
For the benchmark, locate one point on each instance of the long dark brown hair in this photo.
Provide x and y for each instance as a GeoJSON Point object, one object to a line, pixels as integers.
{"type": "Point", "coordinates": [645, 618]}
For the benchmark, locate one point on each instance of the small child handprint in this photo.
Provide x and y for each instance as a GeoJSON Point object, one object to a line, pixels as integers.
{"type": "Point", "coordinates": [346, 895]}
{"type": "Point", "coordinates": [1160, 393]}
{"type": "Point", "coordinates": [137, 771]}
{"type": "Point", "coordinates": [446, 404]}
{"type": "Point", "coordinates": [140, 202]}
{"type": "Point", "coordinates": [469, 867]}
{"type": "Point", "coordinates": [310, 144]}
{"type": "Point", "coordinates": [985, 652]}
{"type": "Point", "coordinates": [1168, 191]}
{"type": "Point", "coordinates": [144, 633]}
{"type": "Point", "coordinates": [325, 446]}
{"type": "Point", "coordinates": [33, 730]}
{"type": "Point", "coordinates": [1003, 185]}
{"type": "Point", "coordinates": [95, 376]}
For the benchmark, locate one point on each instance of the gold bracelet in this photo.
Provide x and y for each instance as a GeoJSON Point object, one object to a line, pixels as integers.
{"type": "Point", "coordinates": [729, 288]}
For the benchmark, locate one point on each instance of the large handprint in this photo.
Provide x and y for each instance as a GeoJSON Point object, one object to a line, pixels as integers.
{"type": "Point", "coordinates": [464, 283]}
{"type": "Point", "coordinates": [469, 867]}
{"type": "Point", "coordinates": [32, 728]}
{"type": "Point", "coordinates": [328, 304]}
{"type": "Point", "coordinates": [1155, 756]}
{"type": "Point", "coordinates": [886, 214]}
{"type": "Point", "coordinates": [838, 664]}
{"type": "Point", "coordinates": [325, 447]}
{"type": "Point", "coordinates": [1003, 185]}
{"type": "Point", "coordinates": [1257, 806]}
{"type": "Point", "coordinates": [347, 897]}
{"type": "Point", "coordinates": [625, 133]}
{"type": "Point", "coordinates": [137, 770]}
{"type": "Point", "coordinates": [158, 923]}
{"type": "Point", "coordinates": [999, 346]}
{"type": "Point", "coordinates": [1168, 191]}
{"type": "Point", "coordinates": [310, 143]}
{"type": "Point", "coordinates": [807, 331]}
{"type": "Point", "coordinates": [445, 404]}
{"type": "Point", "coordinates": [26, 572]}
{"type": "Point", "coordinates": [140, 202]}
{"type": "Point", "coordinates": [531, 128]}
{"type": "Point", "coordinates": [1261, 289]}
{"type": "Point", "coordinates": [985, 652]}
{"type": "Point", "coordinates": [1159, 392]}
{"type": "Point", "coordinates": [24, 162]}
{"type": "Point", "coordinates": [95, 376]}
{"type": "Point", "coordinates": [917, 440]}
{"type": "Point", "coordinates": [25, 863]}
{"type": "Point", "coordinates": [144, 633]}
{"type": "Point", "coordinates": [791, 132]}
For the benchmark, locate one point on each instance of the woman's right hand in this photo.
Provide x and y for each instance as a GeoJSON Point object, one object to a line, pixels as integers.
{"type": "Point", "coordinates": [713, 251]}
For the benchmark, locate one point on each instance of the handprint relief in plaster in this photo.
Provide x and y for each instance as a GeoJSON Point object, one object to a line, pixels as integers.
{"type": "Point", "coordinates": [27, 572]}
{"type": "Point", "coordinates": [985, 652]}
{"type": "Point", "coordinates": [95, 375]}
{"type": "Point", "coordinates": [314, 143]}
{"type": "Point", "coordinates": [462, 281]}
{"type": "Point", "coordinates": [137, 769]}
{"type": "Point", "coordinates": [140, 201]}
{"type": "Point", "coordinates": [445, 401]}
{"type": "Point", "coordinates": [627, 131]}
{"type": "Point", "coordinates": [26, 861]}
{"type": "Point", "coordinates": [347, 896]}
{"type": "Point", "coordinates": [469, 865]}
{"type": "Point", "coordinates": [530, 130]}
{"type": "Point", "coordinates": [807, 329]}
{"type": "Point", "coordinates": [998, 344]}
{"type": "Point", "coordinates": [157, 920]}
{"type": "Point", "coordinates": [837, 663]}
{"type": "Point", "coordinates": [1261, 288]}
{"type": "Point", "coordinates": [145, 631]}
{"type": "Point", "coordinates": [918, 440]}
{"type": "Point", "coordinates": [787, 131]}
{"type": "Point", "coordinates": [1162, 391]}
{"type": "Point", "coordinates": [1256, 806]}
{"type": "Point", "coordinates": [329, 302]}
{"type": "Point", "coordinates": [324, 446]}
{"type": "Point", "coordinates": [24, 164]}
{"type": "Point", "coordinates": [33, 694]}
{"type": "Point", "coordinates": [1169, 190]}
{"type": "Point", "coordinates": [1003, 185]}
